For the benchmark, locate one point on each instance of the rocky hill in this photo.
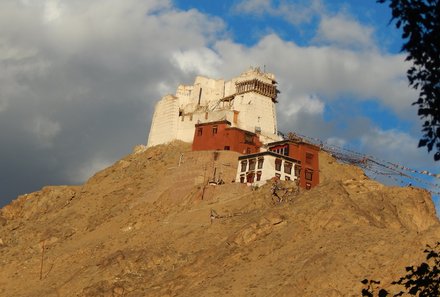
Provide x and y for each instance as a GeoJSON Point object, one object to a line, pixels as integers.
{"type": "Point", "coordinates": [150, 226]}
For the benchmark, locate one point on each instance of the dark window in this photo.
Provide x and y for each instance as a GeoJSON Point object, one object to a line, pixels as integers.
{"type": "Point", "coordinates": [260, 163]}
{"type": "Point", "coordinates": [252, 164]}
{"type": "Point", "coordinates": [227, 148]}
{"type": "Point", "coordinates": [199, 131]}
{"type": "Point", "coordinates": [297, 170]}
{"type": "Point", "coordinates": [200, 96]}
{"type": "Point", "coordinates": [214, 129]}
{"type": "Point", "coordinates": [309, 158]}
{"type": "Point", "coordinates": [278, 164]}
{"type": "Point", "coordinates": [277, 175]}
{"type": "Point", "coordinates": [258, 175]}
{"type": "Point", "coordinates": [287, 177]}
{"type": "Point", "coordinates": [242, 178]}
{"type": "Point", "coordinates": [250, 177]}
{"type": "Point", "coordinates": [243, 165]}
{"type": "Point", "coordinates": [309, 174]}
{"type": "Point", "coordinates": [288, 167]}
{"type": "Point", "coordinates": [248, 138]}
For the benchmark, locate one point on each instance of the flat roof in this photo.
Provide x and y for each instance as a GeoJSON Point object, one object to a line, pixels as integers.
{"type": "Point", "coordinates": [224, 122]}
{"type": "Point", "coordinates": [287, 141]}
{"type": "Point", "coordinates": [273, 154]}
{"type": "Point", "coordinates": [246, 131]}
{"type": "Point", "coordinates": [214, 123]}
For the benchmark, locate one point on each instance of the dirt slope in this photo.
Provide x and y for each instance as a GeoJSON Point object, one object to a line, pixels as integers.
{"type": "Point", "coordinates": [141, 228]}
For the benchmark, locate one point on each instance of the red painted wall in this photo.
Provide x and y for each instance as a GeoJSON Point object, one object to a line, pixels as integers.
{"type": "Point", "coordinates": [220, 136]}
{"type": "Point", "coordinates": [300, 151]}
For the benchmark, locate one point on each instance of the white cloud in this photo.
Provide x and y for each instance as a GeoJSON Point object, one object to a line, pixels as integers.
{"type": "Point", "coordinates": [395, 146]}
{"type": "Point", "coordinates": [309, 104]}
{"type": "Point", "coordinates": [329, 72]}
{"type": "Point", "coordinates": [342, 31]}
{"type": "Point", "coordinates": [199, 61]}
{"type": "Point", "coordinates": [10, 53]}
{"type": "Point", "coordinates": [52, 10]}
{"type": "Point", "coordinates": [336, 141]}
{"type": "Point", "coordinates": [164, 88]}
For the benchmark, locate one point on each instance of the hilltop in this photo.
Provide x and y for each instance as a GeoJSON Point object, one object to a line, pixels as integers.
{"type": "Point", "coordinates": [143, 227]}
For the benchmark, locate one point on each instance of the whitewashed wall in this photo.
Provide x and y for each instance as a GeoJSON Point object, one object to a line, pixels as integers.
{"type": "Point", "coordinates": [267, 172]}
{"type": "Point", "coordinates": [164, 124]}
{"type": "Point", "coordinates": [255, 110]}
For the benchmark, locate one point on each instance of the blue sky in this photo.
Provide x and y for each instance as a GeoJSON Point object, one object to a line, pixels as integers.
{"type": "Point", "coordinates": [246, 22]}
{"type": "Point", "coordinates": [79, 79]}
{"type": "Point", "coordinates": [247, 28]}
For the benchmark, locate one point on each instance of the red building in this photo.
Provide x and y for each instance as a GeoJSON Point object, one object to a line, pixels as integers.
{"type": "Point", "coordinates": [306, 154]}
{"type": "Point", "coordinates": [221, 136]}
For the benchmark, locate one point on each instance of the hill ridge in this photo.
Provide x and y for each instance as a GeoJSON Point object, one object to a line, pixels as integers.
{"type": "Point", "coordinates": [141, 228]}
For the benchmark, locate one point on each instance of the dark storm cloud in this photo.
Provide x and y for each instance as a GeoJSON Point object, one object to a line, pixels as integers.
{"type": "Point", "coordinates": [79, 81]}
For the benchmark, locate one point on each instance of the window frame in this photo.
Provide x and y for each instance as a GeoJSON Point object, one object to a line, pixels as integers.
{"type": "Point", "coordinates": [243, 164]}
{"type": "Point", "coordinates": [259, 173]}
{"type": "Point", "coordinates": [309, 158]}
{"type": "Point", "coordinates": [260, 163]}
{"type": "Point", "coordinates": [308, 174]}
{"type": "Point", "coordinates": [297, 171]}
{"type": "Point", "coordinates": [278, 164]}
{"type": "Point", "coordinates": [248, 138]}
{"type": "Point", "coordinates": [242, 178]}
{"type": "Point", "coordinates": [288, 167]}
{"type": "Point", "coordinates": [250, 177]}
{"type": "Point", "coordinates": [252, 164]}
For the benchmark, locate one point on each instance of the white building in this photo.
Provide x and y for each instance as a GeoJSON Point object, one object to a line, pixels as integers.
{"type": "Point", "coordinates": [247, 101]}
{"type": "Point", "coordinates": [258, 168]}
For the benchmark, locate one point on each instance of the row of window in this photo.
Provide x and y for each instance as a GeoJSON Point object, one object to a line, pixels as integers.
{"type": "Point", "coordinates": [248, 138]}
{"type": "Point", "coordinates": [281, 151]}
{"type": "Point", "coordinates": [278, 164]}
{"type": "Point", "coordinates": [285, 151]}
{"type": "Point", "coordinates": [258, 163]}
{"type": "Point", "coordinates": [200, 130]}
{"type": "Point", "coordinates": [251, 177]}
{"type": "Point", "coordinates": [252, 163]}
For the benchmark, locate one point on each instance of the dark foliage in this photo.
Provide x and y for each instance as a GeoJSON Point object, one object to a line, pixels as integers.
{"type": "Point", "coordinates": [422, 280]}
{"type": "Point", "coordinates": [420, 23]}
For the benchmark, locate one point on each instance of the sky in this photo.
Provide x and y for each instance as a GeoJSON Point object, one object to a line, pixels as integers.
{"type": "Point", "coordinates": [79, 79]}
